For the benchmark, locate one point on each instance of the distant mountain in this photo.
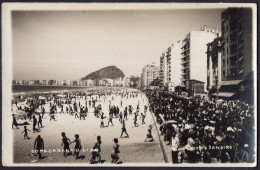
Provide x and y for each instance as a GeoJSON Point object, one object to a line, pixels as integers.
{"type": "Point", "coordinates": [110, 72]}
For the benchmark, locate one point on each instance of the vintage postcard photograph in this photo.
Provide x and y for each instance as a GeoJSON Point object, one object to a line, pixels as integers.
{"type": "Point", "coordinates": [129, 84]}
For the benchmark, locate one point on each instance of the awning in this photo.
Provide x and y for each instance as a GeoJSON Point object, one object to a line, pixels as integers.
{"type": "Point", "coordinates": [230, 82]}
{"type": "Point", "coordinates": [224, 94]}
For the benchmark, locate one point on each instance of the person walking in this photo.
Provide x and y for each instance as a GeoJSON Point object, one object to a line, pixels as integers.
{"type": "Point", "coordinates": [124, 129]}
{"type": "Point", "coordinates": [25, 132]}
{"type": "Point", "coordinates": [135, 120]}
{"type": "Point", "coordinates": [110, 119]}
{"type": "Point", "coordinates": [66, 142]}
{"type": "Point", "coordinates": [40, 121]}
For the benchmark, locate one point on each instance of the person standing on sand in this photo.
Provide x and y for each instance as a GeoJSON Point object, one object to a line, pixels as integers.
{"type": "Point", "coordinates": [120, 117]}
{"type": "Point", "coordinates": [149, 134]}
{"type": "Point", "coordinates": [34, 123]}
{"type": "Point", "coordinates": [86, 110]}
{"type": "Point", "coordinates": [96, 151]}
{"type": "Point", "coordinates": [115, 152]}
{"type": "Point", "coordinates": [76, 115]}
{"type": "Point", "coordinates": [102, 120]}
{"type": "Point", "coordinates": [135, 120]}
{"type": "Point", "coordinates": [143, 117]}
{"type": "Point", "coordinates": [43, 111]}
{"type": "Point", "coordinates": [67, 110]}
{"type": "Point", "coordinates": [39, 145]}
{"type": "Point", "coordinates": [14, 122]}
{"type": "Point", "coordinates": [61, 109]}
{"type": "Point", "coordinates": [77, 146]}
{"type": "Point", "coordinates": [125, 113]}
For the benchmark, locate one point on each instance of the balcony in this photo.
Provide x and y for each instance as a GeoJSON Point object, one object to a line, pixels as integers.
{"type": "Point", "coordinates": [240, 58]}
{"type": "Point", "coordinates": [185, 67]}
{"type": "Point", "coordinates": [241, 71]}
{"type": "Point", "coordinates": [185, 56]}
{"type": "Point", "coordinates": [241, 45]}
{"type": "Point", "coordinates": [183, 74]}
{"type": "Point", "coordinates": [186, 45]}
{"type": "Point", "coordinates": [241, 19]}
{"type": "Point", "coordinates": [185, 61]}
{"type": "Point", "coordinates": [240, 32]}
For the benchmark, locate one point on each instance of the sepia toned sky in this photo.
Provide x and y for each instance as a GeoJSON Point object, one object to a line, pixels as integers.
{"type": "Point", "coordinates": [71, 44]}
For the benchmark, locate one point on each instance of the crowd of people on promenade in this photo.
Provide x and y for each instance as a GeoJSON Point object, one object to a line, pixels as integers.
{"type": "Point", "coordinates": [205, 130]}
{"type": "Point", "coordinates": [77, 104]}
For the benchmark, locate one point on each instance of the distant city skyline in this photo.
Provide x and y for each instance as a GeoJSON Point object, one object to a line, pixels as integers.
{"type": "Point", "coordinates": [68, 45]}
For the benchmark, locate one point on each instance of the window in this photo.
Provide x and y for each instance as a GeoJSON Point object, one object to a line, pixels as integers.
{"type": "Point", "coordinates": [223, 72]}
{"type": "Point", "coordinates": [223, 63]}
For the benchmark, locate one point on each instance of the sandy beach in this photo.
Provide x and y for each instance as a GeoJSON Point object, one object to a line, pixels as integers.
{"type": "Point", "coordinates": [132, 149]}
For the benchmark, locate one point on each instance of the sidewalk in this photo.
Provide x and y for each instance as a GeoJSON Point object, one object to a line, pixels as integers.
{"type": "Point", "coordinates": [166, 149]}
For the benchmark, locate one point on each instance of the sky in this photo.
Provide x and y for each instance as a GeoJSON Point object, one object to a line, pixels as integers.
{"type": "Point", "coordinates": [68, 45]}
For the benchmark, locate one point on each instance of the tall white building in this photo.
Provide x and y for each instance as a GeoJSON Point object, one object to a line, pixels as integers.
{"type": "Point", "coordinates": [170, 66]}
{"type": "Point", "coordinates": [174, 64]}
{"type": "Point", "coordinates": [163, 69]}
{"type": "Point", "coordinates": [149, 73]}
{"type": "Point", "coordinates": [194, 56]}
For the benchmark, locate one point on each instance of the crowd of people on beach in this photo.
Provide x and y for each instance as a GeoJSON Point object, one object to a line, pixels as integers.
{"type": "Point", "coordinates": [205, 130]}
{"type": "Point", "coordinates": [69, 103]}
{"type": "Point", "coordinates": [197, 129]}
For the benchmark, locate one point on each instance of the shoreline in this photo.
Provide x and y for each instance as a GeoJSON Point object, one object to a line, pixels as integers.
{"type": "Point", "coordinates": [43, 89]}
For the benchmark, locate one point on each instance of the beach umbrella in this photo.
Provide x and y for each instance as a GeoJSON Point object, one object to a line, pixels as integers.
{"type": "Point", "coordinates": [61, 95]}
{"type": "Point", "coordinates": [42, 98]}
{"type": "Point", "coordinates": [20, 114]}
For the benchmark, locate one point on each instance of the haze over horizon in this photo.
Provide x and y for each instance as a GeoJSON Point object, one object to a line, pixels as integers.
{"type": "Point", "coordinates": [68, 45]}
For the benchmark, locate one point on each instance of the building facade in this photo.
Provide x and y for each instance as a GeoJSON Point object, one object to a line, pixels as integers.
{"type": "Point", "coordinates": [163, 69]}
{"type": "Point", "coordinates": [236, 25]}
{"type": "Point", "coordinates": [214, 54]}
{"type": "Point", "coordinates": [174, 65]}
{"type": "Point", "coordinates": [194, 57]}
{"type": "Point", "coordinates": [237, 55]}
{"type": "Point", "coordinates": [149, 73]}
{"type": "Point", "coordinates": [126, 81]}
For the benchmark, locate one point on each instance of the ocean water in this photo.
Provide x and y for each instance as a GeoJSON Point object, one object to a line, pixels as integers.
{"type": "Point", "coordinates": [38, 88]}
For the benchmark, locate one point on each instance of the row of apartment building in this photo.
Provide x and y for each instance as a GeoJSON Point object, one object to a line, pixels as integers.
{"type": "Point", "coordinates": [54, 82]}
{"type": "Point", "coordinates": [127, 82]}
{"type": "Point", "coordinates": [207, 60]}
